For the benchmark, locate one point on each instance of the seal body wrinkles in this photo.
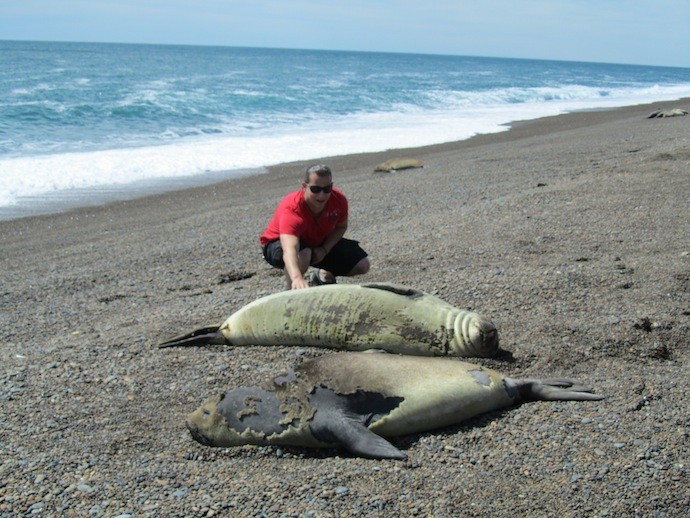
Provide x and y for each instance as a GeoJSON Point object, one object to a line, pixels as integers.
{"type": "Point", "coordinates": [354, 317]}
{"type": "Point", "coordinates": [356, 400]}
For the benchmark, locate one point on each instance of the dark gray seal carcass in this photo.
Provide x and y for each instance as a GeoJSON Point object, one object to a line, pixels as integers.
{"type": "Point", "coordinates": [354, 317]}
{"type": "Point", "coordinates": [354, 400]}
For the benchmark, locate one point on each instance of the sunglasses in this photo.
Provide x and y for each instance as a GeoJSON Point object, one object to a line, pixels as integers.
{"type": "Point", "coordinates": [316, 189]}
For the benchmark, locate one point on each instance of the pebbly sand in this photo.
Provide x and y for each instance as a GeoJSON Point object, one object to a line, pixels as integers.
{"type": "Point", "coordinates": [572, 233]}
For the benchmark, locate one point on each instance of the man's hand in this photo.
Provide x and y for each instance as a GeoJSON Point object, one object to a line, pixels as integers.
{"type": "Point", "coordinates": [299, 284]}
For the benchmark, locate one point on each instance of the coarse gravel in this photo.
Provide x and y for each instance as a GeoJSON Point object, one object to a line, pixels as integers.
{"type": "Point", "coordinates": [572, 233]}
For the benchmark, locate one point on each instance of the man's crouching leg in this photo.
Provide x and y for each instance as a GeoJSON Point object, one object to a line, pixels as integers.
{"type": "Point", "coordinates": [360, 268]}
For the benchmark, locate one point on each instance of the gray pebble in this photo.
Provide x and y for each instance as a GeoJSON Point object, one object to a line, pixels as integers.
{"type": "Point", "coordinates": [34, 508]}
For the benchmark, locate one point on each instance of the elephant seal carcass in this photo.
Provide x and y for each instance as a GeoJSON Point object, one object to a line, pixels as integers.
{"type": "Point", "coordinates": [354, 317]}
{"type": "Point", "coordinates": [354, 400]}
{"type": "Point", "coordinates": [673, 112]}
{"type": "Point", "coordinates": [396, 164]}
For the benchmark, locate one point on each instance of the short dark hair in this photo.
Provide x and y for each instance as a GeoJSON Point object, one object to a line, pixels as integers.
{"type": "Point", "coordinates": [320, 170]}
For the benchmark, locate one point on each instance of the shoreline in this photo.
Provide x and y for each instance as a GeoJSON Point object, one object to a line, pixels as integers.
{"type": "Point", "coordinates": [569, 233]}
{"type": "Point", "coordinates": [58, 202]}
{"type": "Point", "coordinates": [61, 202]}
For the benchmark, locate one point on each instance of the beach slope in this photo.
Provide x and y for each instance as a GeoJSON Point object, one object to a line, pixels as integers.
{"type": "Point", "coordinates": [571, 233]}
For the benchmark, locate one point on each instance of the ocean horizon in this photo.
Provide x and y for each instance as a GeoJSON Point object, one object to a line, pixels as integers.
{"type": "Point", "coordinates": [86, 123]}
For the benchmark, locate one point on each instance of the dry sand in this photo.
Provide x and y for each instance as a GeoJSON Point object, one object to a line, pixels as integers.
{"type": "Point", "coordinates": [572, 233]}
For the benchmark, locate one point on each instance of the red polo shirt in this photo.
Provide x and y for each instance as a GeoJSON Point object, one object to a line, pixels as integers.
{"type": "Point", "coordinates": [293, 217]}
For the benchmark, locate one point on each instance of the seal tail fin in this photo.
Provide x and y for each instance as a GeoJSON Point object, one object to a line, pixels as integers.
{"type": "Point", "coordinates": [561, 389]}
{"type": "Point", "coordinates": [197, 338]}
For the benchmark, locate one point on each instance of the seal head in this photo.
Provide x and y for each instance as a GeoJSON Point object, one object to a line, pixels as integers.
{"type": "Point", "coordinates": [479, 335]}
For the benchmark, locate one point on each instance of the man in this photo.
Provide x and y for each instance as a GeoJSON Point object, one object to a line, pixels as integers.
{"type": "Point", "coordinates": [307, 228]}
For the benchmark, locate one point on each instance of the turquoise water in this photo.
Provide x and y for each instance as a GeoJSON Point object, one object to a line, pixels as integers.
{"type": "Point", "coordinates": [76, 117]}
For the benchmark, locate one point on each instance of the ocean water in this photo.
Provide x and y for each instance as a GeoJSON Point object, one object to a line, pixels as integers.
{"type": "Point", "coordinates": [80, 122]}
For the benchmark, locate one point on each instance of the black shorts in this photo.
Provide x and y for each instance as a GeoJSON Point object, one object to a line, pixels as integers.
{"type": "Point", "coordinates": [342, 258]}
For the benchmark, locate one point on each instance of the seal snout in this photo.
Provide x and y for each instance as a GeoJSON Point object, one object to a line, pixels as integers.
{"type": "Point", "coordinates": [483, 337]}
{"type": "Point", "coordinates": [198, 436]}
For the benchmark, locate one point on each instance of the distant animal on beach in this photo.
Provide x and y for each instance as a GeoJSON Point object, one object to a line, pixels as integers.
{"type": "Point", "coordinates": [396, 164]}
{"type": "Point", "coordinates": [354, 317]}
{"type": "Point", "coordinates": [675, 112]}
{"type": "Point", "coordinates": [354, 400]}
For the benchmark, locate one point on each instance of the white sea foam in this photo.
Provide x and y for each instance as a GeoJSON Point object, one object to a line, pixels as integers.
{"type": "Point", "coordinates": [460, 117]}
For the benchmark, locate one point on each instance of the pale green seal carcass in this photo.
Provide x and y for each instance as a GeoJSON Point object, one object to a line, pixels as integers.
{"type": "Point", "coordinates": [354, 317]}
{"type": "Point", "coordinates": [673, 112]}
{"type": "Point", "coordinates": [396, 164]}
{"type": "Point", "coordinates": [354, 400]}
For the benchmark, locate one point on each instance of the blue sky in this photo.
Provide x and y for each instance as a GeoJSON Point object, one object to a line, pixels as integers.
{"type": "Point", "coordinates": [618, 31]}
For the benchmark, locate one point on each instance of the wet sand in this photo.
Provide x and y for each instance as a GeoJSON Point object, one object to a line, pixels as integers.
{"type": "Point", "coordinates": [570, 232]}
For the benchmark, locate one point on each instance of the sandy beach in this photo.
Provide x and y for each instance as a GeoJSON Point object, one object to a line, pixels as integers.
{"type": "Point", "coordinates": [571, 232]}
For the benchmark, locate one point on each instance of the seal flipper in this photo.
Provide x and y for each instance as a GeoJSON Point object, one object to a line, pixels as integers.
{"type": "Point", "coordinates": [197, 338]}
{"type": "Point", "coordinates": [398, 289]}
{"type": "Point", "coordinates": [355, 438]}
{"type": "Point", "coordinates": [561, 389]}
